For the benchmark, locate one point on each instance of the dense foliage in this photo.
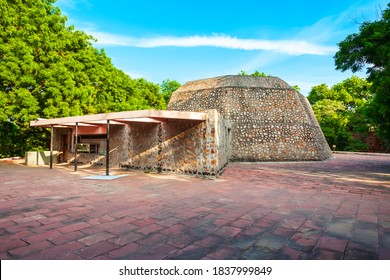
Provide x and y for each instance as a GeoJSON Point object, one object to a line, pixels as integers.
{"type": "Point", "coordinates": [50, 70]}
{"type": "Point", "coordinates": [370, 48]}
{"type": "Point", "coordinates": [342, 112]}
{"type": "Point", "coordinates": [167, 88]}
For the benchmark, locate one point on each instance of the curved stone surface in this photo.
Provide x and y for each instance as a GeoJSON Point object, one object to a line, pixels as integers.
{"type": "Point", "coordinates": [270, 120]}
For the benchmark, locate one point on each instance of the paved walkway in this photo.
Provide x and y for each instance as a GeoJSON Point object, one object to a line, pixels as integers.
{"type": "Point", "coordinates": [338, 209]}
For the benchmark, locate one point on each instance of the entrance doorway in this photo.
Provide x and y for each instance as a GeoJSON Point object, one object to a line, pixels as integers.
{"type": "Point", "coordinates": [64, 148]}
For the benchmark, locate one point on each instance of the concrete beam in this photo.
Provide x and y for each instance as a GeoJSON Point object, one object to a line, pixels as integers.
{"type": "Point", "coordinates": [118, 116]}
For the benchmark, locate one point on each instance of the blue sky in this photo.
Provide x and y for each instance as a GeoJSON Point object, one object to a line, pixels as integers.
{"type": "Point", "coordinates": [189, 40]}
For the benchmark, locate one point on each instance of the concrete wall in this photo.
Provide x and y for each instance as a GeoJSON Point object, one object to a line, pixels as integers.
{"type": "Point", "coordinates": [270, 120]}
{"type": "Point", "coordinates": [39, 158]}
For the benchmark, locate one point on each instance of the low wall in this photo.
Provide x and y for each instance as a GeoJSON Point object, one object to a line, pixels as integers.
{"type": "Point", "coordinates": [39, 158]}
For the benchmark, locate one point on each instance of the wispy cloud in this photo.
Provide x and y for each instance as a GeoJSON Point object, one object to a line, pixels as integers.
{"type": "Point", "coordinates": [136, 75]}
{"type": "Point", "coordinates": [67, 3]}
{"type": "Point", "coordinates": [328, 30]}
{"type": "Point", "coordinates": [290, 47]}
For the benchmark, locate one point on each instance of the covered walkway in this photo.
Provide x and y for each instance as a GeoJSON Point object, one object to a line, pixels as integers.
{"type": "Point", "coordinates": [100, 124]}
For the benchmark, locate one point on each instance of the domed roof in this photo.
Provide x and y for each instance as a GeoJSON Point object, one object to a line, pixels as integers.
{"type": "Point", "coordinates": [236, 81]}
{"type": "Point", "coordinates": [269, 119]}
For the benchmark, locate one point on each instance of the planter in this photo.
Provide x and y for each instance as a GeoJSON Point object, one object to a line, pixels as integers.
{"type": "Point", "coordinates": [39, 158]}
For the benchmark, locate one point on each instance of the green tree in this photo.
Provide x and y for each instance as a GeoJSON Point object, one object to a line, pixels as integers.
{"type": "Point", "coordinates": [319, 92]}
{"type": "Point", "coordinates": [342, 111]}
{"type": "Point", "coordinates": [256, 74]}
{"type": "Point", "coordinates": [242, 73]}
{"type": "Point", "coordinates": [151, 94]}
{"type": "Point", "coordinates": [262, 74]}
{"type": "Point", "coordinates": [370, 48]}
{"type": "Point", "coordinates": [50, 70]}
{"type": "Point", "coordinates": [297, 88]}
{"type": "Point", "coordinates": [167, 87]}
{"type": "Point", "coordinates": [333, 118]}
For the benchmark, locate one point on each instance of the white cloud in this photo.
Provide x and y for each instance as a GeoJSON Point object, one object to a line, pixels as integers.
{"type": "Point", "coordinates": [110, 39]}
{"type": "Point", "coordinates": [68, 3]}
{"type": "Point", "coordinates": [74, 4]}
{"type": "Point", "coordinates": [262, 61]}
{"type": "Point", "coordinates": [136, 75]}
{"type": "Point", "coordinates": [328, 30]}
{"type": "Point", "coordinates": [290, 47]}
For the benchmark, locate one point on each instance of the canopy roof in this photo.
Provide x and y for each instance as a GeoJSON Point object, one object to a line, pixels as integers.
{"type": "Point", "coordinates": [120, 118]}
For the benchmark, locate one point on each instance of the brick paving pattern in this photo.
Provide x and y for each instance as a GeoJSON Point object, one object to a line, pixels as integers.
{"type": "Point", "coordinates": [339, 209]}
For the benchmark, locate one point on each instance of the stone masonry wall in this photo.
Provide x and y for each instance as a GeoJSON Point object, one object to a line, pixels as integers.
{"type": "Point", "coordinates": [142, 138]}
{"type": "Point", "coordinates": [57, 141]}
{"type": "Point", "coordinates": [179, 146]}
{"type": "Point", "coordinates": [118, 148]}
{"type": "Point", "coordinates": [270, 120]}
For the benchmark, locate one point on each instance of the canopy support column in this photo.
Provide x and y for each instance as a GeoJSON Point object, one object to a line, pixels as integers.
{"type": "Point", "coordinates": [75, 146]}
{"type": "Point", "coordinates": [51, 145]}
{"type": "Point", "coordinates": [108, 149]}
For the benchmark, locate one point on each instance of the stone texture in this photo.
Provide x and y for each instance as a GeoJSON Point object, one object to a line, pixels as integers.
{"type": "Point", "coordinates": [270, 120]}
{"type": "Point", "coordinates": [179, 146]}
{"type": "Point", "coordinates": [247, 119]}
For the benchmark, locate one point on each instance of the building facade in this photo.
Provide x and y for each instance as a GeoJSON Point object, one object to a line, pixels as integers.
{"type": "Point", "coordinates": [208, 123]}
{"type": "Point", "coordinates": [270, 121]}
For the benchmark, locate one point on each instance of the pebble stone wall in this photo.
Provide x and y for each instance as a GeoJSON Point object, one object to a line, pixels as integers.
{"type": "Point", "coordinates": [179, 146]}
{"type": "Point", "coordinates": [270, 121]}
{"type": "Point", "coordinates": [184, 147]}
{"type": "Point", "coordinates": [119, 141]}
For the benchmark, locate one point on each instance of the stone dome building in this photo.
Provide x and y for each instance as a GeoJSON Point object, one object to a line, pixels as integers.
{"type": "Point", "coordinates": [270, 121]}
{"type": "Point", "coordinates": [209, 123]}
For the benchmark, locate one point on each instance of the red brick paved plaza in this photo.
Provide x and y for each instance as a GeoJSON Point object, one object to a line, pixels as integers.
{"type": "Point", "coordinates": [338, 209]}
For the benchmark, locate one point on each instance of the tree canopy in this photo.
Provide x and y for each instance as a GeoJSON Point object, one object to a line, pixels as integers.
{"type": "Point", "coordinates": [50, 70]}
{"type": "Point", "coordinates": [342, 112]}
{"type": "Point", "coordinates": [167, 87]}
{"type": "Point", "coordinates": [370, 49]}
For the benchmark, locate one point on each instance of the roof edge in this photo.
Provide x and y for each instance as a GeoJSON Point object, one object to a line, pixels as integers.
{"type": "Point", "coordinates": [235, 81]}
{"type": "Point", "coordinates": [158, 114]}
